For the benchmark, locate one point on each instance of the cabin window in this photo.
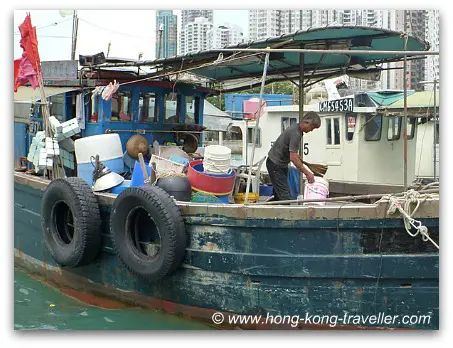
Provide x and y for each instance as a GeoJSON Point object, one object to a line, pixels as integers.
{"type": "Point", "coordinates": [251, 136]}
{"type": "Point", "coordinates": [233, 139]}
{"type": "Point", "coordinates": [121, 106]}
{"type": "Point", "coordinates": [190, 110]}
{"type": "Point", "coordinates": [196, 111]}
{"type": "Point", "coordinates": [172, 108]}
{"type": "Point", "coordinates": [147, 108]}
{"type": "Point", "coordinates": [373, 127]}
{"type": "Point", "coordinates": [57, 106]}
{"type": "Point", "coordinates": [336, 130]}
{"type": "Point", "coordinates": [332, 130]}
{"type": "Point", "coordinates": [394, 129]}
{"type": "Point", "coordinates": [288, 122]}
{"type": "Point", "coordinates": [328, 131]}
{"type": "Point", "coordinates": [411, 127]}
{"type": "Point", "coordinates": [351, 120]}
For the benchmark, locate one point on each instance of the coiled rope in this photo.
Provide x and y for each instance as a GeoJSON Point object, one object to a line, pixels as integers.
{"type": "Point", "coordinates": [403, 205]}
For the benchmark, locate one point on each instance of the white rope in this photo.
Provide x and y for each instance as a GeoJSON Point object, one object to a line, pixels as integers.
{"type": "Point", "coordinates": [403, 205]}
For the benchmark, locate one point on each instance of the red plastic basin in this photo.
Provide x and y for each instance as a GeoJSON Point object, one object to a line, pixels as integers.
{"type": "Point", "coordinates": [218, 185]}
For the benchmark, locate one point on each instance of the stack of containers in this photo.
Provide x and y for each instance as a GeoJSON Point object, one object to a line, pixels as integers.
{"type": "Point", "coordinates": [217, 159]}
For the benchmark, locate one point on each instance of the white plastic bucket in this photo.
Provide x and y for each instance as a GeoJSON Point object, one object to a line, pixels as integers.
{"type": "Point", "coordinates": [217, 159]}
{"type": "Point", "coordinates": [319, 189]}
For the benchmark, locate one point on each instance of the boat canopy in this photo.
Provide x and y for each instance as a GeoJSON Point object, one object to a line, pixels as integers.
{"type": "Point", "coordinates": [235, 68]}
{"type": "Point", "coordinates": [419, 104]}
{"type": "Point", "coordinates": [387, 97]}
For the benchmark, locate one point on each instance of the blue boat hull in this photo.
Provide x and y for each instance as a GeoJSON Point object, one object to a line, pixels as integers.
{"type": "Point", "coordinates": [311, 271]}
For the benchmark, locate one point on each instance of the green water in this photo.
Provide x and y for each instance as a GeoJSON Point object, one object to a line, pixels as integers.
{"type": "Point", "coordinates": [38, 306]}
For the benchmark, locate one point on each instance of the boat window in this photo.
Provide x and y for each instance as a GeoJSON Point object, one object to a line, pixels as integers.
{"type": "Point", "coordinates": [190, 109]}
{"type": "Point", "coordinates": [351, 120]}
{"type": "Point", "coordinates": [328, 131]}
{"type": "Point", "coordinates": [251, 136]}
{"type": "Point", "coordinates": [57, 106]}
{"type": "Point", "coordinates": [336, 130]}
{"type": "Point", "coordinates": [287, 122]}
{"type": "Point", "coordinates": [411, 127]}
{"type": "Point", "coordinates": [197, 101]}
{"type": "Point", "coordinates": [121, 106]}
{"type": "Point", "coordinates": [373, 126]}
{"type": "Point", "coordinates": [147, 108]}
{"type": "Point", "coordinates": [233, 139]}
{"type": "Point", "coordinates": [172, 108]}
{"type": "Point", "coordinates": [332, 130]}
{"type": "Point", "coordinates": [394, 129]}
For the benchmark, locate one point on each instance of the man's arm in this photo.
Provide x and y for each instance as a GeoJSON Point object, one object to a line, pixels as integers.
{"type": "Point", "coordinates": [294, 157]}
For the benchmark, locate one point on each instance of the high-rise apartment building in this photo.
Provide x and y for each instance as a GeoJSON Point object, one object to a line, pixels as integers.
{"type": "Point", "coordinates": [432, 36]}
{"type": "Point", "coordinates": [188, 16]}
{"type": "Point", "coordinates": [166, 34]}
{"type": "Point", "coordinates": [195, 35]}
{"type": "Point", "coordinates": [269, 23]}
{"type": "Point", "coordinates": [224, 35]}
{"type": "Point", "coordinates": [194, 27]}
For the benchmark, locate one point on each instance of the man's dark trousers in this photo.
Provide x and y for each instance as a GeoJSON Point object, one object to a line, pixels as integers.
{"type": "Point", "coordinates": [279, 178]}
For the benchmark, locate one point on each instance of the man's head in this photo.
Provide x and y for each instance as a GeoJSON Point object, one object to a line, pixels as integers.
{"type": "Point", "coordinates": [310, 121]}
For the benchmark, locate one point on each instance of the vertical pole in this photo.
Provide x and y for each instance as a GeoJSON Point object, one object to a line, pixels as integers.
{"type": "Point", "coordinates": [75, 25]}
{"type": "Point", "coordinates": [301, 114]}
{"type": "Point", "coordinates": [435, 131]}
{"type": "Point", "coordinates": [255, 131]}
{"type": "Point", "coordinates": [405, 109]}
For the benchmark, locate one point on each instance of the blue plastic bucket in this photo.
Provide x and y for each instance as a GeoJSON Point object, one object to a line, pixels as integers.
{"type": "Point", "coordinates": [266, 190]}
{"type": "Point", "coordinates": [137, 175]}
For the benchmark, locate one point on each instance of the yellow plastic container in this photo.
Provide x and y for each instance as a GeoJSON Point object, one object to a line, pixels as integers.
{"type": "Point", "coordinates": [239, 198]}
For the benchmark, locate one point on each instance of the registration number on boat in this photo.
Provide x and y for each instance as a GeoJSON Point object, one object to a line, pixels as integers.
{"type": "Point", "coordinates": [338, 105]}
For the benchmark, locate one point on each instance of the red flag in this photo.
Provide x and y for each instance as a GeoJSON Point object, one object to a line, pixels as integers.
{"type": "Point", "coordinates": [26, 68]}
{"type": "Point", "coordinates": [29, 43]}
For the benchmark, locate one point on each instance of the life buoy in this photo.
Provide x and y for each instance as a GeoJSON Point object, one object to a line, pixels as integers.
{"type": "Point", "coordinates": [70, 221]}
{"type": "Point", "coordinates": [148, 232]}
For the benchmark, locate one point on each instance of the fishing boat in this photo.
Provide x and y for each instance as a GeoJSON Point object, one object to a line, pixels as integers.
{"type": "Point", "coordinates": [342, 264]}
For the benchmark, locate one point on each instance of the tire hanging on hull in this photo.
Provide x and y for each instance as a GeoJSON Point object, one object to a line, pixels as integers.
{"type": "Point", "coordinates": [148, 232]}
{"type": "Point", "coordinates": [71, 222]}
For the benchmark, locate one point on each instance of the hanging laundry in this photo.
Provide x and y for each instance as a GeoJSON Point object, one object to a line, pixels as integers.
{"type": "Point", "coordinates": [110, 90]}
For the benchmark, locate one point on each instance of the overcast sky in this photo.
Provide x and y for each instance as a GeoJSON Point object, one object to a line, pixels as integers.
{"type": "Point", "coordinates": [130, 31]}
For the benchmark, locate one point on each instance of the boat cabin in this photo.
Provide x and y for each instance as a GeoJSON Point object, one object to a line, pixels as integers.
{"type": "Point", "coordinates": [165, 111]}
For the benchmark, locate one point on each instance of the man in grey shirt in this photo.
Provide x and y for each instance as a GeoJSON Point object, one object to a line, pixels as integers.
{"type": "Point", "coordinates": [284, 150]}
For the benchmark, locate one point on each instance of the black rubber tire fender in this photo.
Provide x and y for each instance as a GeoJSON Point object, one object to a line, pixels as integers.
{"type": "Point", "coordinates": [131, 215]}
{"type": "Point", "coordinates": [71, 222]}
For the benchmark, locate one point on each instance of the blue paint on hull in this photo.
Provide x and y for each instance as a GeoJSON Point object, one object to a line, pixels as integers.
{"type": "Point", "coordinates": [316, 267]}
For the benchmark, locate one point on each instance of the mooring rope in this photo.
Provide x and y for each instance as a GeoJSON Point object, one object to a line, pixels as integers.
{"type": "Point", "coordinates": [403, 205]}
